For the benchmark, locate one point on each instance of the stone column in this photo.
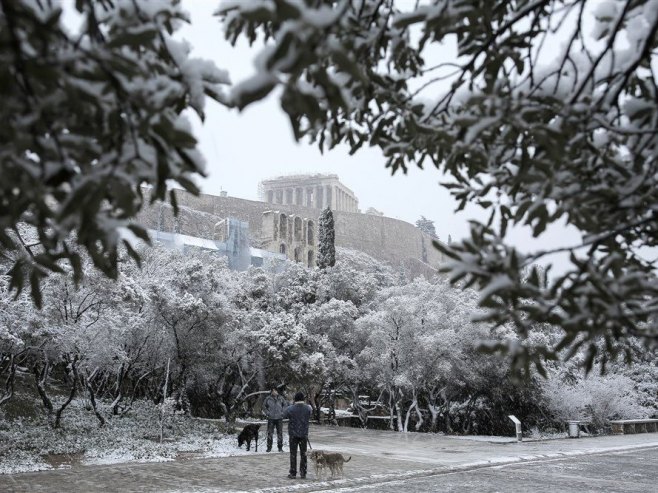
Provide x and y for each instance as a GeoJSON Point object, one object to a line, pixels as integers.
{"type": "Point", "coordinates": [318, 197]}
{"type": "Point", "coordinates": [309, 197]}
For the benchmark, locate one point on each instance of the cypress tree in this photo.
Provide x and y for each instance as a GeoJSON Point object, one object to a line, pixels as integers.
{"type": "Point", "coordinates": [326, 238]}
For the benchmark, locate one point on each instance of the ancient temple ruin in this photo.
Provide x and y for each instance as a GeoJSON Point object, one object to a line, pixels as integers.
{"type": "Point", "coordinates": [317, 191]}
{"type": "Point", "coordinates": [284, 226]}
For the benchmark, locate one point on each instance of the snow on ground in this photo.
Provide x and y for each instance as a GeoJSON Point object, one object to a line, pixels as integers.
{"type": "Point", "coordinates": [343, 413]}
{"type": "Point", "coordinates": [31, 445]}
{"type": "Point", "coordinates": [482, 438]}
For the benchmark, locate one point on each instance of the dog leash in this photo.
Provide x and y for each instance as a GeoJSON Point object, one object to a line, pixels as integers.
{"type": "Point", "coordinates": [309, 443]}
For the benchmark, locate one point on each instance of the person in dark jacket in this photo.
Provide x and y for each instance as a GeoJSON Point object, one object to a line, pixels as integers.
{"type": "Point", "coordinates": [273, 408]}
{"type": "Point", "coordinates": [299, 415]}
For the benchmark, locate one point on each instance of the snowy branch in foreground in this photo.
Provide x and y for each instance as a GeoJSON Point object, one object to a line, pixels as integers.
{"type": "Point", "coordinates": [89, 117]}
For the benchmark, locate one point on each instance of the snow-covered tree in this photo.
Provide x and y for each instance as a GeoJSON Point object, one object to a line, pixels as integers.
{"type": "Point", "coordinates": [332, 343]}
{"type": "Point", "coordinates": [413, 348]}
{"type": "Point", "coordinates": [357, 277]}
{"type": "Point", "coordinates": [426, 226]}
{"type": "Point", "coordinates": [295, 287]}
{"type": "Point", "coordinates": [546, 113]}
{"type": "Point", "coordinates": [326, 240]}
{"type": "Point", "coordinates": [91, 114]}
{"type": "Point", "coordinates": [596, 398]}
{"type": "Point", "coordinates": [17, 323]}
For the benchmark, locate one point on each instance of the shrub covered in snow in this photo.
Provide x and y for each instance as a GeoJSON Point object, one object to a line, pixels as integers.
{"type": "Point", "coordinates": [31, 444]}
{"type": "Point", "coordinates": [595, 398]}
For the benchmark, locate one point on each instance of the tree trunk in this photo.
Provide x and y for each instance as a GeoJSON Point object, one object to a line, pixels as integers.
{"type": "Point", "coordinates": [315, 393]}
{"type": "Point", "coordinates": [434, 412]}
{"type": "Point", "coordinates": [466, 427]}
{"type": "Point", "coordinates": [317, 404]}
{"type": "Point", "coordinates": [164, 402]}
{"type": "Point", "coordinates": [360, 411]}
{"type": "Point", "coordinates": [119, 391]}
{"type": "Point", "coordinates": [332, 408]}
{"type": "Point", "coordinates": [398, 410]}
{"type": "Point", "coordinates": [391, 411]}
{"type": "Point", "coordinates": [414, 405]}
{"type": "Point", "coordinates": [127, 408]}
{"type": "Point", "coordinates": [447, 418]}
{"type": "Point", "coordinates": [92, 399]}
{"type": "Point", "coordinates": [74, 385]}
{"type": "Point", "coordinates": [408, 415]}
{"type": "Point", "coordinates": [40, 377]}
{"type": "Point", "coordinates": [9, 383]}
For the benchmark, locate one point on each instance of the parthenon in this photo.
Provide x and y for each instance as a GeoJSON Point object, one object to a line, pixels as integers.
{"type": "Point", "coordinates": [318, 191]}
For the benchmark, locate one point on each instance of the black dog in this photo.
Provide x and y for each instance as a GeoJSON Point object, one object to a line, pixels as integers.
{"type": "Point", "coordinates": [249, 433]}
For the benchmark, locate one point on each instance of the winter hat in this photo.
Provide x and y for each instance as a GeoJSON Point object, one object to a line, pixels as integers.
{"type": "Point", "coordinates": [299, 396]}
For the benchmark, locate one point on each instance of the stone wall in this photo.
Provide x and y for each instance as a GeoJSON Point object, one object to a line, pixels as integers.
{"type": "Point", "coordinates": [397, 242]}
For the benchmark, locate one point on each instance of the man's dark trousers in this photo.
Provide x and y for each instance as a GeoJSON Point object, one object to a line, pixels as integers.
{"type": "Point", "coordinates": [278, 423]}
{"type": "Point", "coordinates": [296, 442]}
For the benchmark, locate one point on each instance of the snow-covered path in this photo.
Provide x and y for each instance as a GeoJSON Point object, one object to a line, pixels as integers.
{"type": "Point", "coordinates": [378, 458]}
{"type": "Point", "coordinates": [621, 472]}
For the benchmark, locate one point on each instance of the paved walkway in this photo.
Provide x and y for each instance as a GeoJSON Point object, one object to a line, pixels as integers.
{"type": "Point", "coordinates": [377, 456]}
{"type": "Point", "coordinates": [630, 471]}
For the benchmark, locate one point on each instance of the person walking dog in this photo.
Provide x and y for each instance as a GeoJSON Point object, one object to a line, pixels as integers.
{"type": "Point", "coordinates": [273, 408]}
{"type": "Point", "coordinates": [299, 415]}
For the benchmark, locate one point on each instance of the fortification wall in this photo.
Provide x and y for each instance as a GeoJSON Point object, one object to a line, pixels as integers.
{"type": "Point", "coordinates": [392, 240]}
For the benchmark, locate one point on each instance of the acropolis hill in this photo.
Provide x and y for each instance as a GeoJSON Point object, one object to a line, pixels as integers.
{"type": "Point", "coordinates": [286, 222]}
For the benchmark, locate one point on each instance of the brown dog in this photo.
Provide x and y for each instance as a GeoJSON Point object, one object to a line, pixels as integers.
{"type": "Point", "coordinates": [335, 462]}
{"type": "Point", "coordinates": [317, 457]}
{"type": "Point", "coordinates": [249, 433]}
{"type": "Point", "coordinates": [332, 460]}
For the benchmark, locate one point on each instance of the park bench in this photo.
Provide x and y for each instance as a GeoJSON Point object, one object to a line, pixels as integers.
{"type": "Point", "coordinates": [630, 426]}
{"type": "Point", "coordinates": [378, 422]}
